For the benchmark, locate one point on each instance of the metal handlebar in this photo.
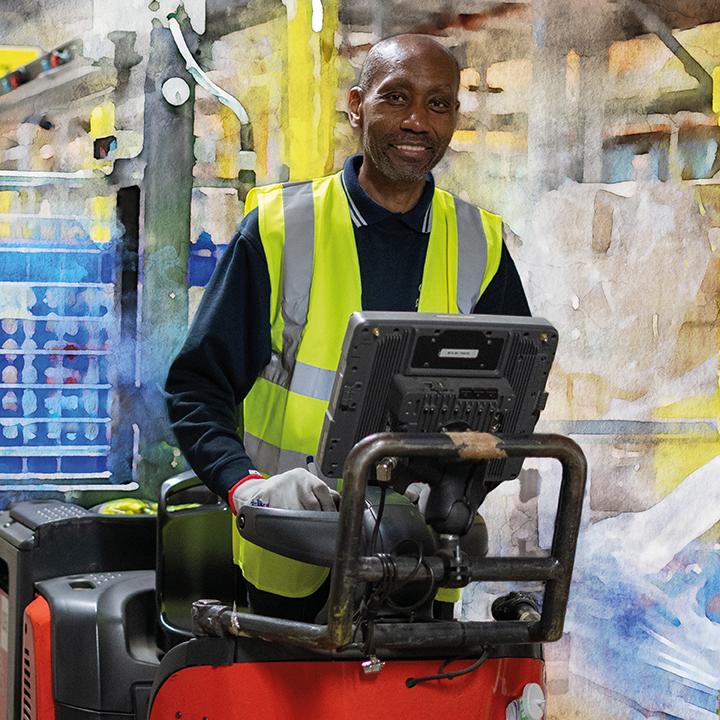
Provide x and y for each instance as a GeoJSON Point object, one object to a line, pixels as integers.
{"type": "Point", "coordinates": [350, 568]}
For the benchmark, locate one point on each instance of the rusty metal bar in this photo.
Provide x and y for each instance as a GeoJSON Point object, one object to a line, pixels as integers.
{"type": "Point", "coordinates": [212, 618]}
{"type": "Point", "coordinates": [370, 569]}
{"type": "Point", "coordinates": [464, 446]}
{"type": "Point", "coordinates": [359, 464]}
{"type": "Point", "coordinates": [451, 635]}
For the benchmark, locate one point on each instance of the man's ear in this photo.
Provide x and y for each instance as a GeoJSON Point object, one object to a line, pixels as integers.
{"type": "Point", "coordinates": [355, 98]}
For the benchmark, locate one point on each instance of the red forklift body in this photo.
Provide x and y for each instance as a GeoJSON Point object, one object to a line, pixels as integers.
{"type": "Point", "coordinates": [338, 690]}
{"type": "Point", "coordinates": [89, 643]}
{"type": "Point", "coordinates": [37, 693]}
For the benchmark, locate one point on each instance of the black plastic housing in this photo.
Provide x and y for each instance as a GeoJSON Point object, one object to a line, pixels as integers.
{"type": "Point", "coordinates": [48, 538]}
{"type": "Point", "coordinates": [425, 372]}
{"type": "Point", "coordinates": [104, 657]}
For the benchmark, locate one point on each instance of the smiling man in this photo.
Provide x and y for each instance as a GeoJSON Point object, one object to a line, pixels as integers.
{"type": "Point", "coordinates": [268, 334]}
{"type": "Point", "coordinates": [406, 106]}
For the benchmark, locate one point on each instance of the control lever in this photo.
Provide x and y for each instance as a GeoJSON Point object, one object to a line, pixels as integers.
{"type": "Point", "coordinates": [304, 535]}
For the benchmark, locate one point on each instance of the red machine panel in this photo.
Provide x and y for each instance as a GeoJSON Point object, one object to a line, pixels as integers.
{"type": "Point", "coordinates": [338, 690]}
{"type": "Point", "coordinates": [37, 695]}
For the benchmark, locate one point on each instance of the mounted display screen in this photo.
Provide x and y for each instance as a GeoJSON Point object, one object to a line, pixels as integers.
{"type": "Point", "coordinates": [421, 372]}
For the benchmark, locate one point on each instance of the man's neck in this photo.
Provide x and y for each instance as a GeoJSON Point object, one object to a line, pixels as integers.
{"type": "Point", "coordinates": [393, 196]}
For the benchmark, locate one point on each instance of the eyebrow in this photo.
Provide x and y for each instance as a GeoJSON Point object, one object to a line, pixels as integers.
{"type": "Point", "coordinates": [400, 82]}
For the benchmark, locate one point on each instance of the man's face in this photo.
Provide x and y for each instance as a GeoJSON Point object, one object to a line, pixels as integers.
{"type": "Point", "coordinates": [408, 115]}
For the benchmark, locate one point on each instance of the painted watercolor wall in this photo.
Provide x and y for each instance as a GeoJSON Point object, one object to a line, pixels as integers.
{"type": "Point", "coordinates": [589, 125]}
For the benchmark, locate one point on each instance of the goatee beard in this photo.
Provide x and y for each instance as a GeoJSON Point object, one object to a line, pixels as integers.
{"type": "Point", "coordinates": [391, 171]}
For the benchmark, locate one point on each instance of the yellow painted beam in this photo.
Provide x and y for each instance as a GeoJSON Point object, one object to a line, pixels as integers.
{"type": "Point", "coordinates": [328, 85]}
{"type": "Point", "coordinates": [311, 90]}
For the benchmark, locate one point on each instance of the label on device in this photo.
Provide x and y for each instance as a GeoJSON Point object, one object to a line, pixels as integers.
{"type": "Point", "coordinates": [469, 353]}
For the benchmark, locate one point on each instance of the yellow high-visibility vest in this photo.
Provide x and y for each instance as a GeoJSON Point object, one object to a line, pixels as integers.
{"type": "Point", "coordinates": [309, 243]}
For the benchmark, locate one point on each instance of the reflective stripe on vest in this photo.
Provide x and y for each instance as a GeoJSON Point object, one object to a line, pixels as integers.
{"type": "Point", "coordinates": [297, 261]}
{"type": "Point", "coordinates": [306, 380]}
{"type": "Point", "coordinates": [309, 242]}
{"type": "Point", "coordinates": [471, 255]}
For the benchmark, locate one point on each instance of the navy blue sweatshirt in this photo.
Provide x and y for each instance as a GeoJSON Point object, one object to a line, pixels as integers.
{"type": "Point", "coordinates": [229, 341]}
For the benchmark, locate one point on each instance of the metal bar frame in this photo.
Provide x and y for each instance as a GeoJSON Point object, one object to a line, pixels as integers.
{"type": "Point", "coordinates": [350, 568]}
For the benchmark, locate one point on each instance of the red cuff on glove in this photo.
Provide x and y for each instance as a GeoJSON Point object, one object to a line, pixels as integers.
{"type": "Point", "coordinates": [231, 491]}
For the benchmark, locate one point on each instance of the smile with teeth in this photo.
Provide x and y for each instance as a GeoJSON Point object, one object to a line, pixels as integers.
{"type": "Point", "coordinates": [413, 149]}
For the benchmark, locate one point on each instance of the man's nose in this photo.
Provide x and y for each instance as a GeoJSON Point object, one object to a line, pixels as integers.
{"type": "Point", "coordinates": [415, 118]}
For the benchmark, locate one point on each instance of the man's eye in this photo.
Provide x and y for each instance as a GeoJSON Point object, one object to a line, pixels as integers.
{"type": "Point", "coordinates": [395, 98]}
{"type": "Point", "coordinates": [440, 105]}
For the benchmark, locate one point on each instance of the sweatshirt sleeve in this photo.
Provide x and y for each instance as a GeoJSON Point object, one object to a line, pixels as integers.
{"type": "Point", "coordinates": [504, 295]}
{"type": "Point", "coordinates": [227, 345]}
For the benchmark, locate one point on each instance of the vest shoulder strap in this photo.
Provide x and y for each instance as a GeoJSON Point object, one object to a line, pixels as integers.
{"type": "Point", "coordinates": [479, 237]}
{"type": "Point", "coordinates": [252, 198]}
{"type": "Point", "coordinates": [493, 226]}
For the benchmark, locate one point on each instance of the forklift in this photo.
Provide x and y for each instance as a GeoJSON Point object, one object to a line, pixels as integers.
{"type": "Point", "coordinates": [142, 617]}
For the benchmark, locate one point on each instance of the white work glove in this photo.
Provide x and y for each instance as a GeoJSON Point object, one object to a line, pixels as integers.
{"type": "Point", "coordinates": [295, 489]}
{"type": "Point", "coordinates": [418, 493]}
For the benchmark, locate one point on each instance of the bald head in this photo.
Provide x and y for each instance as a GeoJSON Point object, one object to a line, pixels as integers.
{"type": "Point", "coordinates": [384, 55]}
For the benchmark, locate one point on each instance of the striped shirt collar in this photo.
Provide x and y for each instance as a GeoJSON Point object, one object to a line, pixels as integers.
{"type": "Point", "coordinates": [365, 211]}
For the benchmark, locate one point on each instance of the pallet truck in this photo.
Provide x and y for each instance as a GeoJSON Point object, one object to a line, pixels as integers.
{"type": "Point", "coordinates": [451, 401]}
